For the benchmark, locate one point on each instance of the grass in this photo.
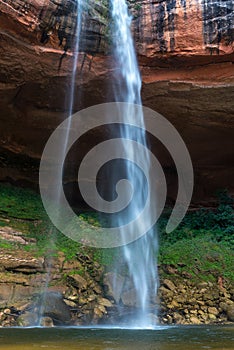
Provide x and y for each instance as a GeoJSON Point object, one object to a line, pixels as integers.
{"type": "Point", "coordinates": [202, 245]}
{"type": "Point", "coordinates": [20, 203]}
{"type": "Point", "coordinates": [201, 257]}
{"type": "Point", "coordinates": [7, 245]}
{"type": "Point", "coordinates": [22, 209]}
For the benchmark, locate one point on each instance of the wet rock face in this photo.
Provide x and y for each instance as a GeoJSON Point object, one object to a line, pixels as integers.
{"type": "Point", "coordinates": [230, 312]}
{"type": "Point", "coordinates": [51, 304]}
{"type": "Point", "coordinates": [36, 314]}
{"type": "Point", "coordinates": [159, 26]}
{"type": "Point", "coordinates": [218, 21]}
{"type": "Point", "coordinates": [74, 295]}
{"type": "Point", "coordinates": [188, 26]}
{"type": "Point", "coordinates": [185, 51]}
{"type": "Point", "coordinates": [63, 17]}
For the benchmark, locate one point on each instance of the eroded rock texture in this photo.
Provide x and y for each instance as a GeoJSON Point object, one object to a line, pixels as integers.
{"type": "Point", "coordinates": [185, 26]}
{"type": "Point", "coordinates": [185, 50]}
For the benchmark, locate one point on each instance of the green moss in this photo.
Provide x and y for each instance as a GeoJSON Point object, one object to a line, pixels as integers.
{"type": "Point", "coordinates": [3, 223]}
{"type": "Point", "coordinates": [201, 257]}
{"type": "Point", "coordinates": [216, 223]}
{"type": "Point", "coordinates": [7, 245]}
{"type": "Point", "coordinates": [80, 272]}
{"type": "Point", "coordinates": [202, 245]}
{"type": "Point", "coordinates": [20, 203]}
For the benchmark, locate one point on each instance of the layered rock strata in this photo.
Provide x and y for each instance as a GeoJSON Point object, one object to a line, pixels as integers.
{"type": "Point", "coordinates": [185, 51]}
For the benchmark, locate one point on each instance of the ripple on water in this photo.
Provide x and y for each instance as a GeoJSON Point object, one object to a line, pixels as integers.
{"type": "Point", "coordinates": [161, 338]}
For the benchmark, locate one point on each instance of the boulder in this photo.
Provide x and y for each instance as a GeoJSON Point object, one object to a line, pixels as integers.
{"type": "Point", "coordinates": [169, 284]}
{"type": "Point", "coordinates": [178, 319]}
{"type": "Point", "coordinates": [129, 298]}
{"type": "Point", "coordinates": [78, 281]}
{"type": "Point", "coordinates": [212, 317]}
{"type": "Point", "coordinates": [195, 320]}
{"type": "Point", "coordinates": [28, 319]}
{"type": "Point", "coordinates": [213, 311]}
{"type": "Point", "coordinates": [114, 284]}
{"type": "Point", "coordinates": [46, 322]}
{"type": "Point", "coordinates": [173, 305]}
{"type": "Point", "coordinates": [223, 306]}
{"type": "Point", "coordinates": [98, 313]}
{"type": "Point", "coordinates": [230, 312]}
{"type": "Point", "coordinates": [51, 304]}
{"type": "Point", "coordinates": [105, 302]}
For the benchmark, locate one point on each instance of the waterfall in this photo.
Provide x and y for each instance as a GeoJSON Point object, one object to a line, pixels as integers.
{"type": "Point", "coordinates": [55, 192]}
{"type": "Point", "coordinates": [140, 256]}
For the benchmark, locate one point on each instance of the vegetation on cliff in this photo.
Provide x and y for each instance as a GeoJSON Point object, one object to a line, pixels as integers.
{"type": "Point", "coordinates": [201, 247]}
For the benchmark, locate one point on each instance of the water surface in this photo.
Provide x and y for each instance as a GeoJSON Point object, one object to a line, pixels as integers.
{"type": "Point", "coordinates": [162, 338]}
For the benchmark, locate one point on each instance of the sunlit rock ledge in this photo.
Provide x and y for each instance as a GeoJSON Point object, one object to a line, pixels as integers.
{"type": "Point", "coordinates": [185, 50]}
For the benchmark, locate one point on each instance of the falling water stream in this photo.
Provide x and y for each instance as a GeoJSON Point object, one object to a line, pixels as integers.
{"type": "Point", "coordinates": [140, 255]}
{"type": "Point", "coordinates": [61, 152]}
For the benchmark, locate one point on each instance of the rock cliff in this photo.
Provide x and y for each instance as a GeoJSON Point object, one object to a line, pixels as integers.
{"type": "Point", "coordinates": [185, 51]}
{"type": "Point", "coordinates": [80, 291]}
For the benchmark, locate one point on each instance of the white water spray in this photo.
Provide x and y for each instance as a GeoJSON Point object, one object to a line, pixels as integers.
{"type": "Point", "coordinates": [140, 256]}
{"type": "Point", "coordinates": [61, 152]}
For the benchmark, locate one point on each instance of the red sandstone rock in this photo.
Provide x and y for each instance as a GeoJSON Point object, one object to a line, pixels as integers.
{"type": "Point", "coordinates": [187, 74]}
